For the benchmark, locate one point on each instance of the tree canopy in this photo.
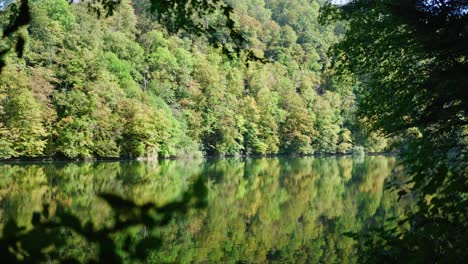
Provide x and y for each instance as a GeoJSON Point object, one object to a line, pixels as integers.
{"type": "Point", "coordinates": [169, 78]}
{"type": "Point", "coordinates": [410, 58]}
{"type": "Point", "coordinates": [127, 86]}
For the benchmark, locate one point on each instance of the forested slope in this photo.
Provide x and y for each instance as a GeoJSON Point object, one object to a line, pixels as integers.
{"type": "Point", "coordinates": [123, 87]}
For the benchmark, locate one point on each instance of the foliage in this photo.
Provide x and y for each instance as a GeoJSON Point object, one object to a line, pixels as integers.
{"type": "Point", "coordinates": [48, 232]}
{"type": "Point", "coordinates": [121, 86]}
{"type": "Point", "coordinates": [410, 58]}
{"type": "Point", "coordinates": [11, 36]}
{"type": "Point", "coordinates": [22, 127]}
{"type": "Point", "coordinates": [277, 210]}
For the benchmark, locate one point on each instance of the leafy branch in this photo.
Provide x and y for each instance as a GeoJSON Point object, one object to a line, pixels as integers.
{"type": "Point", "coordinates": [18, 244]}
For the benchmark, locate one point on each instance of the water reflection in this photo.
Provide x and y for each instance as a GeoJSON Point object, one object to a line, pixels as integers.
{"type": "Point", "coordinates": [260, 210]}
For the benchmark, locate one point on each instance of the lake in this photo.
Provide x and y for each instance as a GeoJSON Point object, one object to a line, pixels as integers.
{"type": "Point", "coordinates": [276, 210]}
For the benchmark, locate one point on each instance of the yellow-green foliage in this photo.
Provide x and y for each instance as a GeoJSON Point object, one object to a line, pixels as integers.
{"type": "Point", "coordinates": [298, 207]}
{"type": "Point", "coordinates": [122, 87]}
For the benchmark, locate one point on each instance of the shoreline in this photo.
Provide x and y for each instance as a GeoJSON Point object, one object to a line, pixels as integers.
{"type": "Point", "coordinates": [206, 157]}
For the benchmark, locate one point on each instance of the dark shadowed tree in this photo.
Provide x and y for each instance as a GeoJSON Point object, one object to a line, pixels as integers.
{"type": "Point", "coordinates": [411, 59]}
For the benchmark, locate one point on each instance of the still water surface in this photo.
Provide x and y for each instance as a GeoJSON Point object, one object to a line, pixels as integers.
{"type": "Point", "coordinates": [277, 210]}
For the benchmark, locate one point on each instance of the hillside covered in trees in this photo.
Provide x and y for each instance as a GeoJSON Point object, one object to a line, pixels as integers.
{"type": "Point", "coordinates": [121, 86]}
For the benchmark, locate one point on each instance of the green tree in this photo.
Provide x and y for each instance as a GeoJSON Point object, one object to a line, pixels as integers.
{"type": "Point", "coordinates": [22, 128]}
{"type": "Point", "coordinates": [83, 68]}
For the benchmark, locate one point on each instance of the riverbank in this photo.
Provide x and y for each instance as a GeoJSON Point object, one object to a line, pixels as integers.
{"type": "Point", "coordinates": [61, 159]}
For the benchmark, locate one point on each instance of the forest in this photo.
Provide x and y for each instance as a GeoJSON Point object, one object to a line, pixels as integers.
{"type": "Point", "coordinates": [122, 86]}
{"type": "Point", "coordinates": [278, 77]}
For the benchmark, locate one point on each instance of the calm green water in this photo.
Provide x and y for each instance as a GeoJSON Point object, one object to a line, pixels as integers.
{"type": "Point", "coordinates": [282, 210]}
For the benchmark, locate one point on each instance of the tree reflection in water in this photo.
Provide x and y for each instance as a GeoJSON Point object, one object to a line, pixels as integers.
{"type": "Point", "coordinates": [259, 210]}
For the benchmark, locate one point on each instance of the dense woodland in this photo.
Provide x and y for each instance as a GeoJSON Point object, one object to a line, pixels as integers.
{"type": "Point", "coordinates": [86, 86]}
{"type": "Point", "coordinates": [121, 86]}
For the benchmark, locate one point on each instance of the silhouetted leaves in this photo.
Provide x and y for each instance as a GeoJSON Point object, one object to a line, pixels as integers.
{"type": "Point", "coordinates": [175, 15]}
{"type": "Point", "coordinates": [20, 17]}
{"type": "Point", "coordinates": [19, 244]}
{"type": "Point", "coordinates": [410, 57]}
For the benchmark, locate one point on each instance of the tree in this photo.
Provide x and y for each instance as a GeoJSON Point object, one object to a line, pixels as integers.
{"type": "Point", "coordinates": [22, 131]}
{"type": "Point", "coordinates": [411, 59]}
